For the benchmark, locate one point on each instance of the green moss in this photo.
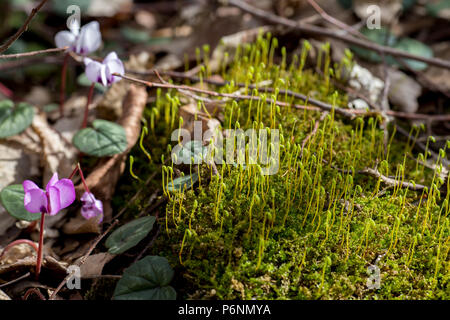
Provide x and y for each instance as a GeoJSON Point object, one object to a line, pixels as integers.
{"type": "Point", "coordinates": [311, 230]}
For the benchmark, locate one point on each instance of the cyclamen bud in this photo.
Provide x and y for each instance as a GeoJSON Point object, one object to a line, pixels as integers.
{"type": "Point", "coordinates": [91, 207]}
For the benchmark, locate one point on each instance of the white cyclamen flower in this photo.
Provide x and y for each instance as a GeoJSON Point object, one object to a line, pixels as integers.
{"type": "Point", "coordinates": [102, 72]}
{"type": "Point", "coordinates": [81, 41]}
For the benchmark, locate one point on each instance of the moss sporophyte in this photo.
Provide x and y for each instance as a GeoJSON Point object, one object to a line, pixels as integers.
{"type": "Point", "coordinates": [312, 229]}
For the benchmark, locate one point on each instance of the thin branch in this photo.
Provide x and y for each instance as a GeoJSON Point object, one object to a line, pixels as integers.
{"type": "Point", "coordinates": [422, 146]}
{"type": "Point", "coordinates": [392, 182]}
{"type": "Point", "coordinates": [32, 53]}
{"type": "Point", "coordinates": [10, 65]}
{"type": "Point", "coordinates": [26, 275]}
{"type": "Point", "coordinates": [321, 105]}
{"type": "Point", "coordinates": [333, 34]}
{"type": "Point", "coordinates": [386, 180]}
{"type": "Point", "coordinates": [335, 21]}
{"type": "Point", "coordinates": [84, 258]}
{"type": "Point", "coordinates": [397, 114]}
{"type": "Point", "coordinates": [22, 29]}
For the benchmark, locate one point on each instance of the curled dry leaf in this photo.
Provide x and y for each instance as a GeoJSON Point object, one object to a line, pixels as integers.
{"type": "Point", "coordinates": [56, 152]}
{"type": "Point", "coordinates": [16, 165]}
{"type": "Point", "coordinates": [404, 91]}
{"type": "Point", "coordinates": [104, 176]}
{"type": "Point", "coordinates": [231, 42]}
{"type": "Point", "coordinates": [93, 266]}
{"type": "Point", "coordinates": [79, 225]}
{"type": "Point", "coordinates": [109, 8]}
{"type": "Point", "coordinates": [110, 106]}
{"type": "Point", "coordinates": [4, 296]}
{"type": "Point", "coordinates": [74, 109]}
{"type": "Point", "coordinates": [59, 155]}
{"type": "Point", "coordinates": [25, 263]}
{"type": "Point", "coordinates": [440, 77]}
{"type": "Point", "coordinates": [17, 253]}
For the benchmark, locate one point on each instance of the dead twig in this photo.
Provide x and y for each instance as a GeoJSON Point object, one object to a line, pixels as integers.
{"type": "Point", "coordinates": [397, 114]}
{"type": "Point", "coordinates": [84, 258]}
{"type": "Point", "coordinates": [392, 182]}
{"type": "Point", "coordinates": [335, 21]}
{"type": "Point", "coordinates": [26, 275]}
{"type": "Point", "coordinates": [422, 146]}
{"type": "Point", "coordinates": [321, 105]}
{"type": "Point", "coordinates": [31, 53]}
{"type": "Point", "coordinates": [270, 17]}
{"type": "Point", "coordinates": [23, 28]}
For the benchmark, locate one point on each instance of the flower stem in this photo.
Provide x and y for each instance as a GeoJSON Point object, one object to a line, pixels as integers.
{"type": "Point", "coordinates": [62, 95]}
{"type": "Point", "coordinates": [73, 172]}
{"type": "Point", "coordinates": [86, 111]}
{"type": "Point", "coordinates": [6, 91]}
{"type": "Point", "coordinates": [82, 178]}
{"type": "Point", "coordinates": [41, 246]}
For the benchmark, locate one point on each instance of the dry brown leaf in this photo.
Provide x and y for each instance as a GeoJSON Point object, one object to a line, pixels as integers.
{"type": "Point", "coordinates": [58, 153]}
{"type": "Point", "coordinates": [79, 225]}
{"type": "Point", "coordinates": [17, 253]}
{"type": "Point", "coordinates": [145, 19]}
{"type": "Point", "coordinates": [74, 109]}
{"type": "Point", "coordinates": [79, 251]}
{"type": "Point", "coordinates": [68, 246]}
{"type": "Point", "coordinates": [440, 77]}
{"type": "Point", "coordinates": [38, 96]}
{"type": "Point", "coordinates": [4, 296]}
{"type": "Point", "coordinates": [27, 262]}
{"type": "Point", "coordinates": [94, 264]}
{"type": "Point", "coordinates": [16, 165]}
{"type": "Point", "coordinates": [169, 62]}
{"type": "Point", "coordinates": [109, 8]}
{"type": "Point", "coordinates": [404, 91]}
{"type": "Point", "coordinates": [110, 106]}
{"type": "Point", "coordinates": [231, 42]}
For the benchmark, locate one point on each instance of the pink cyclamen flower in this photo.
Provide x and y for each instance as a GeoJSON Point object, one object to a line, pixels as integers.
{"type": "Point", "coordinates": [81, 41]}
{"type": "Point", "coordinates": [102, 72]}
{"type": "Point", "coordinates": [58, 194]}
{"type": "Point", "coordinates": [91, 207]}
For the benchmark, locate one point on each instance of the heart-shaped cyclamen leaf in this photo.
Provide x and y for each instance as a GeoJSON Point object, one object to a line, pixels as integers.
{"type": "Point", "coordinates": [106, 138]}
{"type": "Point", "coordinates": [147, 279]}
{"type": "Point", "coordinates": [417, 48]}
{"type": "Point", "coordinates": [129, 235]}
{"type": "Point", "coordinates": [14, 120]}
{"type": "Point", "coordinates": [385, 37]}
{"type": "Point", "coordinates": [12, 199]}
